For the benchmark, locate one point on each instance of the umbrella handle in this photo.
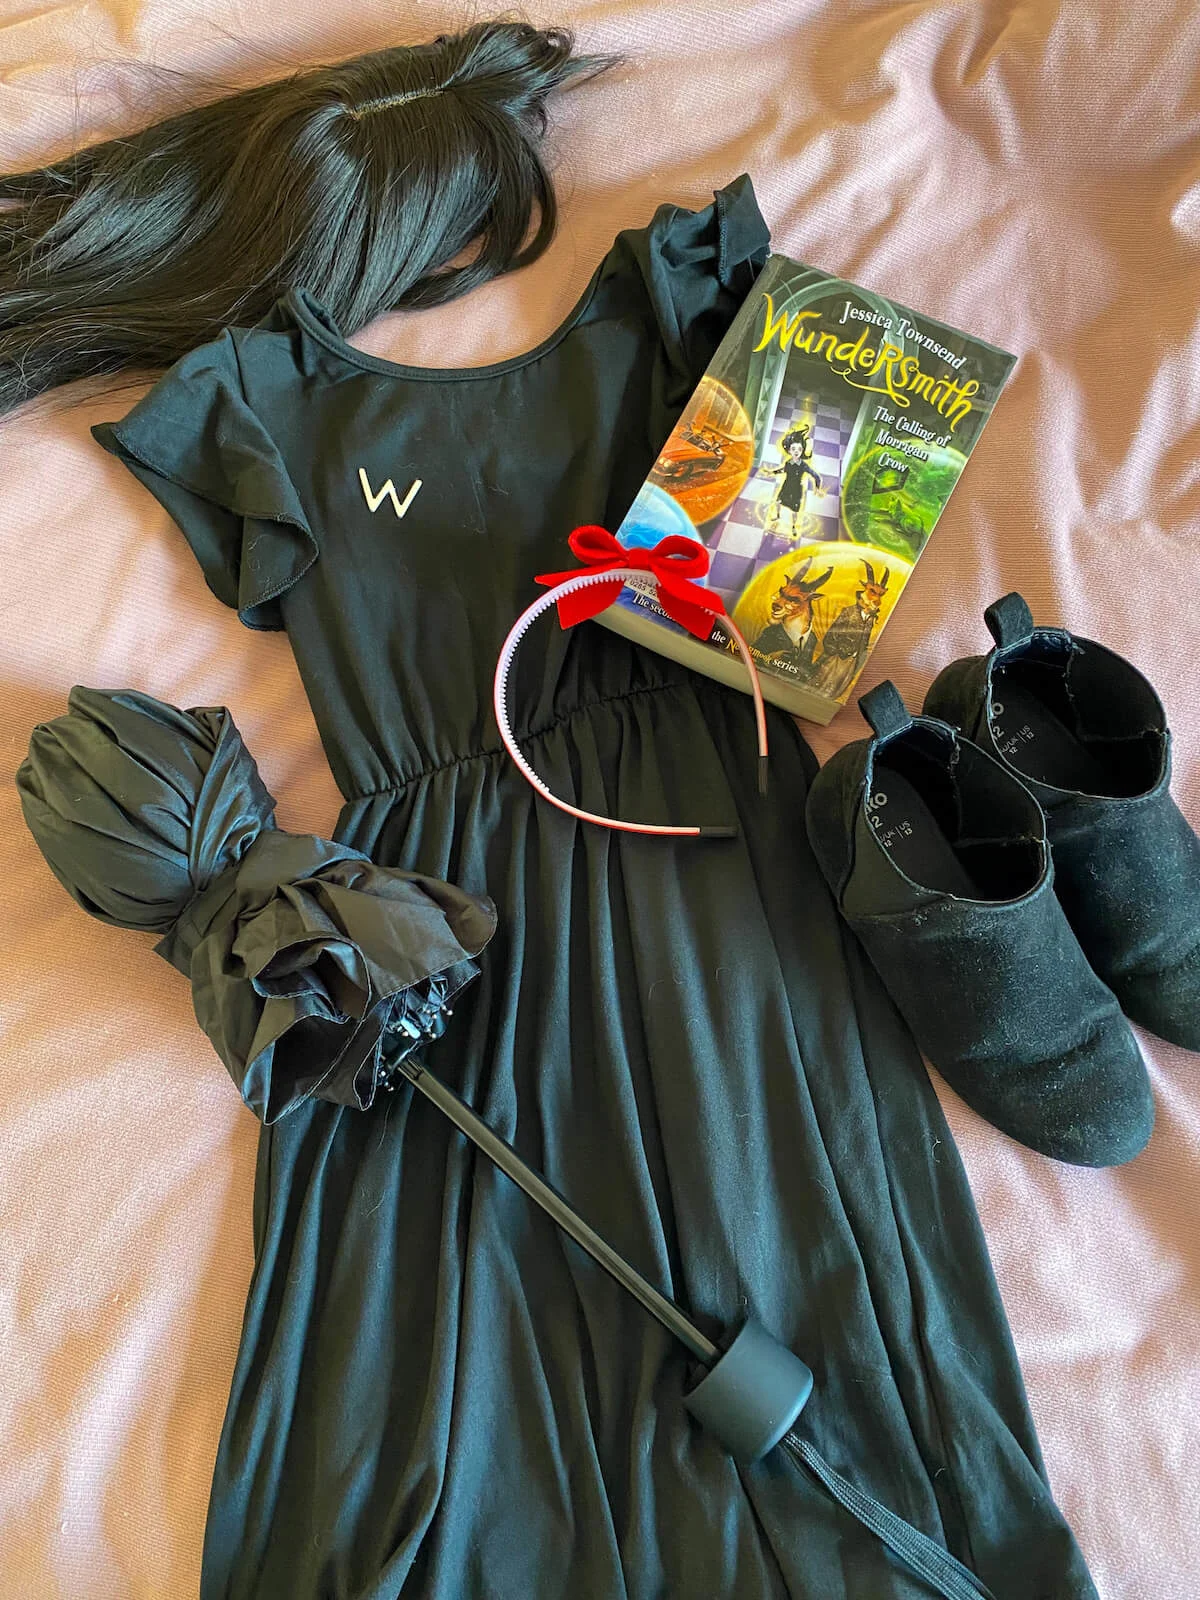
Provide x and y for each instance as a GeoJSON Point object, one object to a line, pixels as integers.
{"type": "Point", "coordinates": [664, 1311]}
{"type": "Point", "coordinates": [752, 1392]}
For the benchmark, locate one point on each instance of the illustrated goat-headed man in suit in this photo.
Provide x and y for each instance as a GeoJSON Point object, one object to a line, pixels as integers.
{"type": "Point", "coordinates": [847, 639]}
{"type": "Point", "coordinates": [789, 639]}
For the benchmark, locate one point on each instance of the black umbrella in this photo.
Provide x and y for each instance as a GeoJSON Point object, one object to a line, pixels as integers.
{"type": "Point", "coordinates": [316, 972]}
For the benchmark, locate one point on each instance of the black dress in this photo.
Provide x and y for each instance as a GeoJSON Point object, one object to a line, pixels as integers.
{"type": "Point", "coordinates": [437, 1395]}
{"type": "Point", "coordinates": [795, 476]}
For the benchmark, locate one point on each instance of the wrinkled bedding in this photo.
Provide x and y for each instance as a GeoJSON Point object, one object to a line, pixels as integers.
{"type": "Point", "coordinates": [1024, 170]}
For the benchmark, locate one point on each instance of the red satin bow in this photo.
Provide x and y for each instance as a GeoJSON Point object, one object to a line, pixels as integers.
{"type": "Point", "coordinates": [673, 563]}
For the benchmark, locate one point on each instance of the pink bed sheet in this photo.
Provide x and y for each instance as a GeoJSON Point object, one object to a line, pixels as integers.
{"type": "Point", "coordinates": [1027, 170]}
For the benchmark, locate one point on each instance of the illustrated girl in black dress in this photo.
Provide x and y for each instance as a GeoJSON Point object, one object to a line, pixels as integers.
{"type": "Point", "coordinates": [791, 491]}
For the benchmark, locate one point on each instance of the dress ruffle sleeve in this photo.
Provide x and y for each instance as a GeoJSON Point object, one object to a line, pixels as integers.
{"type": "Point", "coordinates": [196, 443]}
{"type": "Point", "coordinates": [698, 267]}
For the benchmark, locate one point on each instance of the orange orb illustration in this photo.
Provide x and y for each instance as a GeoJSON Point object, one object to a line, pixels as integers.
{"type": "Point", "coordinates": [706, 461]}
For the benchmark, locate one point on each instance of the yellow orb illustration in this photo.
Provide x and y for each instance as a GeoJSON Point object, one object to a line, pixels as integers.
{"type": "Point", "coordinates": [819, 585]}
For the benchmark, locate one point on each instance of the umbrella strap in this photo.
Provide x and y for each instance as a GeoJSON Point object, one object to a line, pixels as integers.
{"type": "Point", "coordinates": [929, 1560]}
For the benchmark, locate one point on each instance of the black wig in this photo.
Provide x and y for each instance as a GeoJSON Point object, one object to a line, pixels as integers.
{"type": "Point", "coordinates": [401, 178]}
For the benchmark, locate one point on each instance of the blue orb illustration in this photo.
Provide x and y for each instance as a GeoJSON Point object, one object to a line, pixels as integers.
{"type": "Point", "coordinates": [651, 517]}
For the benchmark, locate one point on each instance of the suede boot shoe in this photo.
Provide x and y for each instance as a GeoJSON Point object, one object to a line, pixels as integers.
{"type": "Point", "coordinates": [938, 858]}
{"type": "Point", "coordinates": [1085, 732]}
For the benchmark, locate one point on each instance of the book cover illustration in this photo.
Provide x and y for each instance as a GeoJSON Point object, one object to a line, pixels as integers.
{"type": "Point", "coordinates": [813, 460]}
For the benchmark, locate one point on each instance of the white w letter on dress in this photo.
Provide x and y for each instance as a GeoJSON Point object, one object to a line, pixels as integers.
{"type": "Point", "coordinates": [374, 501]}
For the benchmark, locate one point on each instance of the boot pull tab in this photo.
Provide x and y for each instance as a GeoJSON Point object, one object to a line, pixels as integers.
{"type": "Point", "coordinates": [885, 710]}
{"type": "Point", "coordinates": [1009, 621]}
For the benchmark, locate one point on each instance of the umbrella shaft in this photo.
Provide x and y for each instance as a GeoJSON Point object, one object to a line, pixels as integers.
{"type": "Point", "coordinates": [665, 1311]}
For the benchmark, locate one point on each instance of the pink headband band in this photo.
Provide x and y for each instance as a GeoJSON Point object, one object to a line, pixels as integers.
{"type": "Point", "coordinates": [673, 563]}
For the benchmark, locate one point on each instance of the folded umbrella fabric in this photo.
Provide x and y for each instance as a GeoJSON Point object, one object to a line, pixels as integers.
{"type": "Point", "coordinates": [301, 952]}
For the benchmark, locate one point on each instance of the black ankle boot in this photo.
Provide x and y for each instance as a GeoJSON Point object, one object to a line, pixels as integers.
{"type": "Point", "coordinates": [1087, 734]}
{"type": "Point", "coordinates": [937, 856]}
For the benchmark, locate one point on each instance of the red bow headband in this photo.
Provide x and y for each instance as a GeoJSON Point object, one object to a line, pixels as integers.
{"type": "Point", "coordinates": [674, 563]}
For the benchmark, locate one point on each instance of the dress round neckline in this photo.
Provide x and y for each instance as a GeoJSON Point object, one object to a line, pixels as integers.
{"type": "Point", "coordinates": [305, 307]}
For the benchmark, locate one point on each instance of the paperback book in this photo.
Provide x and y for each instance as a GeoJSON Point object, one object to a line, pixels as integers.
{"type": "Point", "coordinates": [813, 460]}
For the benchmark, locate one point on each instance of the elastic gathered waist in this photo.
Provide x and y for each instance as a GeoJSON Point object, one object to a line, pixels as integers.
{"type": "Point", "coordinates": [490, 752]}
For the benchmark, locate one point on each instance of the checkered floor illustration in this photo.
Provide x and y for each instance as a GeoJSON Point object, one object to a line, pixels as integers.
{"type": "Point", "coordinates": [741, 546]}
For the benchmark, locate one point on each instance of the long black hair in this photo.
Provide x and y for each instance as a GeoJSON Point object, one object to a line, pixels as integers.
{"type": "Point", "coordinates": [363, 182]}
